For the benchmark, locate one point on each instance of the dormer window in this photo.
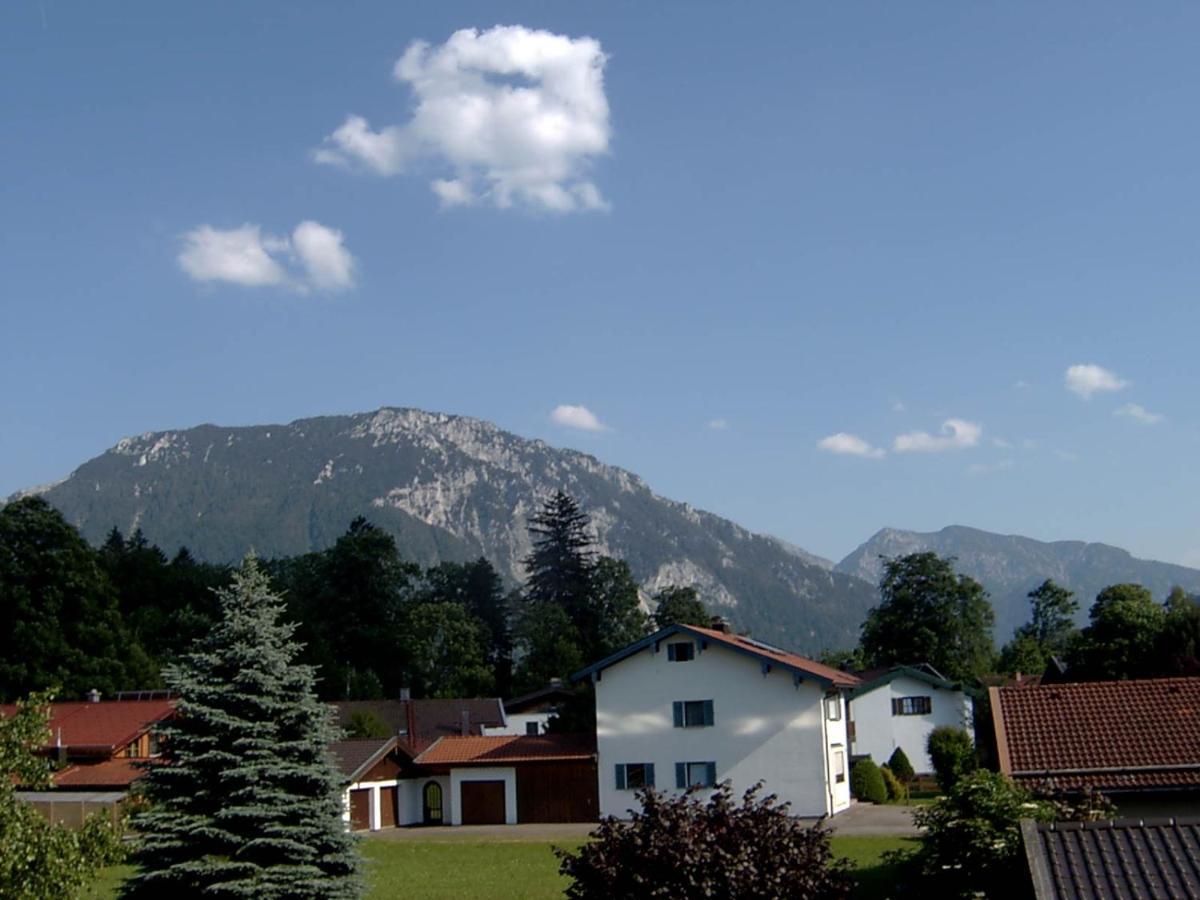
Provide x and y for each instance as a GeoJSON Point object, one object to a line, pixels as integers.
{"type": "Point", "coordinates": [681, 651]}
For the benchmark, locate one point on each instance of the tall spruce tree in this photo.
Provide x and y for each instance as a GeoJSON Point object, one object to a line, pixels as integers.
{"type": "Point", "coordinates": [248, 802]}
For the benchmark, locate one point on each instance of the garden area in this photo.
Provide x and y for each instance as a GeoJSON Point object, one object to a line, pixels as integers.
{"type": "Point", "coordinates": [491, 870]}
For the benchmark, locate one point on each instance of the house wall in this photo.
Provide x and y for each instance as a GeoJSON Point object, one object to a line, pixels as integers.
{"type": "Point", "coordinates": [412, 799]}
{"type": "Point", "coordinates": [506, 774]}
{"type": "Point", "coordinates": [516, 723]}
{"type": "Point", "coordinates": [765, 727]}
{"type": "Point", "coordinates": [878, 733]}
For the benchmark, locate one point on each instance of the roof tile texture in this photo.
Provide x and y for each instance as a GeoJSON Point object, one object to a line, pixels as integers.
{"type": "Point", "coordinates": [110, 773]}
{"type": "Point", "coordinates": [101, 728]}
{"type": "Point", "coordinates": [1106, 725]}
{"type": "Point", "coordinates": [508, 748]}
{"type": "Point", "coordinates": [836, 676]}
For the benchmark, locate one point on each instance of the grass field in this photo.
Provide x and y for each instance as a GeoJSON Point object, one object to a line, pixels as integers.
{"type": "Point", "coordinates": [499, 870]}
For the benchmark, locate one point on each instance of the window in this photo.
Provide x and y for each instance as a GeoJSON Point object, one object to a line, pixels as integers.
{"type": "Point", "coordinates": [911, 706]}
{"type": "Point", "coordinates": [695, 774]}
{"type": "Point", "coordinates": [681, 651]}
{"type": "Point", "coordinates": [839, 764]}
{"type": "Point", "coordinates": [692, 713]}
{"type": "Point", "coordinates": [631, 776]}
{"type": "Point", "coordinates": [833, 707]}
{"type": "Point", "coordinates": [531, 727]}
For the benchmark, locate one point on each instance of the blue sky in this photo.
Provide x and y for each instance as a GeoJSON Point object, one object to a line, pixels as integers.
{"type": "Point", "coordinates": [822, 227]}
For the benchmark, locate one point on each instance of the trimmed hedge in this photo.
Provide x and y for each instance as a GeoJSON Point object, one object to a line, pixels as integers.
{"type": "Point", "coordinates": [900, 765]}
{"type": "Point", "coordinates": [866, 782]}
{"type": "Point", "coordinates": [895, 787]}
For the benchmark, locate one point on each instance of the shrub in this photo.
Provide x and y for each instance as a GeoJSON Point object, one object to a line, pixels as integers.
{"type": "Point", "coordinates": [866, 783]}
{"type": "Point", "coordinates": [682, 847]}
{"type": "Point", "coordinates": [365, 724]}
{"type": "Point", "coordinates": [896, 789]}
{"type": "Point", "coordinates": [972, 840]}
{"type": "Point", "coordinates": [900, 766]}
{"type": "Point", "coordinates": [952, 754]}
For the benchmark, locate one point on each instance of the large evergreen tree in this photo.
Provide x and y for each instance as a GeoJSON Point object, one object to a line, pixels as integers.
{"type": "Point", "coordinates": [248, 803]}
{"type": "Point", "coordinates": [929, 614]}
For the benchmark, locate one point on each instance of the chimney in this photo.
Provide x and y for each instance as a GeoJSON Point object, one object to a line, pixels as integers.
{"type": "Point", "coordinates": [466, 723]}
{"type": "Point", "coordinates": [405, 693]}
{"type": "Point", "coordinates": [93, 696]}
{"type": "Point", "coordinates": [720, 624]}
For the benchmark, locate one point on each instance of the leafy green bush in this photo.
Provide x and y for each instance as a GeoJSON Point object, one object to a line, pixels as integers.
{"type": "Point", "coordinates": [952, 754]}
{"type": "Point", "coordinates": [900, 766]}
{"type": "Point", "coordinates": [679, 846]}
{"type": "Point", "coordinates": [866, 782]}
{"type": "Point", "coordinates": [364, 724]}
{"type": "Point", "coordinates": [972, 840]}
{"type": "Point", "coordinates": [896, 790]}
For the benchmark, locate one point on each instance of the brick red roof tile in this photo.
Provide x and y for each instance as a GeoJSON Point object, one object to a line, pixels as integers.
{"type": "Point", "coordinates": [508, 748]}
{"type": "Point", "coordinates": [101, 728]}
{"type": "Point", "coordinates": [768, 653]}
{"type": "Point", "coordinates": [1109, 734]}
{"type": "Point", "coordinates": [114, 773]}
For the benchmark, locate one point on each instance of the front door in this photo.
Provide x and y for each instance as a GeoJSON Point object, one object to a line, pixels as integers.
{"type": "Point", "coordinates": [432, 803]}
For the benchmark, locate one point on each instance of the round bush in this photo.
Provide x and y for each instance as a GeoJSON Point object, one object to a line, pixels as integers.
{"type": "Point", "coordinates": [866, 782]}
{"type": "Point", "coordinates": [900, 766]}
{"type": "Point", "coordinates": [952, 754]}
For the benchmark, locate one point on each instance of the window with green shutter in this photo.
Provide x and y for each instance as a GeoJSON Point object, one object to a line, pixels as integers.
{"type": "Point", "coordinates": [631, 776]}
{"type": "Point", "coordinates": [692, 713]}
{"type": "Point", "coordinates": [695, 774]}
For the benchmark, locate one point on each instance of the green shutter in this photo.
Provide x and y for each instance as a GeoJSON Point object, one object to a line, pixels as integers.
{"type": "Point", "coordinates": [620, 776]}
{"type": "Point", "coordinates": [677, 708]}
{"type": "Point", "coordinates": [712, 774]}
{"type": "Point", "coordinates": [708, 712]}
{"type": "Point", "coordinates": [649, 774]}
{"type": "Point", "coordinates": [680, 775]}
{"type": "Point", "coordinates": [671, 652]}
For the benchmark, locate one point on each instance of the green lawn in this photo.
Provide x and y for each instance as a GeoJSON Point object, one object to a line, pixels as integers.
{"type": "Point", "coordinates": [496, 870]}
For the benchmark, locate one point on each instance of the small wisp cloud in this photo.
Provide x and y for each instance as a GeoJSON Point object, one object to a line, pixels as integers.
{"type": "Point", "coordinates": [1088, 379]}
{"type": "Point", "coordinates": [313, 257]}
{"type": "Point", "coordinates": [1139, 414]}
{"type": "Point", "coordinates": [515, 115]}
{"type": "Point", "coordinates": [845, 444]}
{"type": "Point", "coordinates": [955, 434]}
{"type": "Point", "coordinates": [579, 418]}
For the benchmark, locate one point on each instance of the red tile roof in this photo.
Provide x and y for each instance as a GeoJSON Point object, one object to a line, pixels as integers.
{"type": "Point", "coordinates": [504, 749]}
{"type": "Point", "coordinates": [1115, 735]}
{"type": "Point", "coordinates": [769, 653]}
{"type": "Point", "coordinates": [115, 773]}
{"type": "Point", "coordinates": [101, 728]}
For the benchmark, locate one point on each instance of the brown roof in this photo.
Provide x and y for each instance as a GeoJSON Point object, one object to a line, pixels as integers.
{"type": "Point", "coordinates": [1072, 860]}
{"type": "Point", "coordinates": [1115, 735]}
{"type": "Point", "coordinates": [111, 773]}
{"type": "Point", "coordinates": [423, 721]}
{"type": "Point", "coordinates": [767, 652]}
{"type": "Point", "coordinates": [352, 757]}
{"type": "Point", "coordinates": [508, 748]}
{"type": "Point", "coordinates": [102, 728]}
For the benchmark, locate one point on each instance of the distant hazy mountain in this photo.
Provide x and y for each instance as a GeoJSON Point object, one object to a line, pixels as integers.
{"type": "Point", "coordinates": [1009, 566]}
{"type": "Point", "coordinates": [448, 488]}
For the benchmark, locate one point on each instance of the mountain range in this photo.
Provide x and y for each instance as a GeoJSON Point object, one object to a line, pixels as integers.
{"type": "Point", "coordinates": [455, 488]}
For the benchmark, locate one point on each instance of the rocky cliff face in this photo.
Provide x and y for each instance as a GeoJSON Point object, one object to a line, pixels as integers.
{"type": "Point", "coordinates": [448, 488]}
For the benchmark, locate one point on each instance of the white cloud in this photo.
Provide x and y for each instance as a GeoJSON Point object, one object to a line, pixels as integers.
{"type": "Point", "coordinates": [955, 434]}
{"type": "Point", "coordinates": [324, 257]}
{"type": "Point", "coordinates": [238, 255]}
{"type": "Point", "coordinates": [314, 257]}
{"type": "Point", "coordinates": [517, 116]}
{"type": "Point", "coordinates": [578, 417]}
{"type": "Point", "coordinates": [1140, 413]}
{"type": "Point", "coordinates": [1086, 380]}
{"type": "Point", "coordinates": [849, 445]}
{"type": "Point", "coordinates": [718, 424]}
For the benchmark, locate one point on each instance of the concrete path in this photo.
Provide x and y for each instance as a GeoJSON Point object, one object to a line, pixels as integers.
{"type": "Point", "coordinates": [859, 819]}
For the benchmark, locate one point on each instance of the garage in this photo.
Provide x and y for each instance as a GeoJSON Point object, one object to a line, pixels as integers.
{"type": "Point", "coordinates": [483, 803]}
{"type": "Point", "coordinates": [360, 810]}
{"type": "Point", "coordinates": [387, 808]}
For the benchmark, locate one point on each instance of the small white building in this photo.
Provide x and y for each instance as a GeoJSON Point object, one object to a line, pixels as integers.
{"type": "Point", "coordinates": [899, 707]}
{"type": "Point", "coordinates": [700, 706]}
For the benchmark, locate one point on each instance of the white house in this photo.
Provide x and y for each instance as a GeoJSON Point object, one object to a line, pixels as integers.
{"type": "Point", "coordinates": [699, 706]}
{"type": "Point", "coordinates": [900, 706]}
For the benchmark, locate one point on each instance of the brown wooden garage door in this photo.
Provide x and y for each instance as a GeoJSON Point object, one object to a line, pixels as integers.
{"type": "Point", "coordinates": [360, 810]}
{"type": "Point", "coordinates": [387, 808]}
{"type": "Point", "coordinates": [483, 802]}
{"type": "Point", "coordinates": [557, 792]}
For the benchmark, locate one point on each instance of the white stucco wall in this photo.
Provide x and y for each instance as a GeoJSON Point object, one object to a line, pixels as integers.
{"type": "Point", "coordinates": [878, 733]}
{"type": "Point", "coordinates": [765, 727]}
{"type": "Point", "coordinates": [412, 800]}
{"type": "Point", "coordinates": [515, 723]}
{"type": "Point", "coordinates": [507, 775]}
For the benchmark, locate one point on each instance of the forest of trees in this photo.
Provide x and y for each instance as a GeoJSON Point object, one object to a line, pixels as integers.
{"type": "Point", "coordinates": [110, 618]}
